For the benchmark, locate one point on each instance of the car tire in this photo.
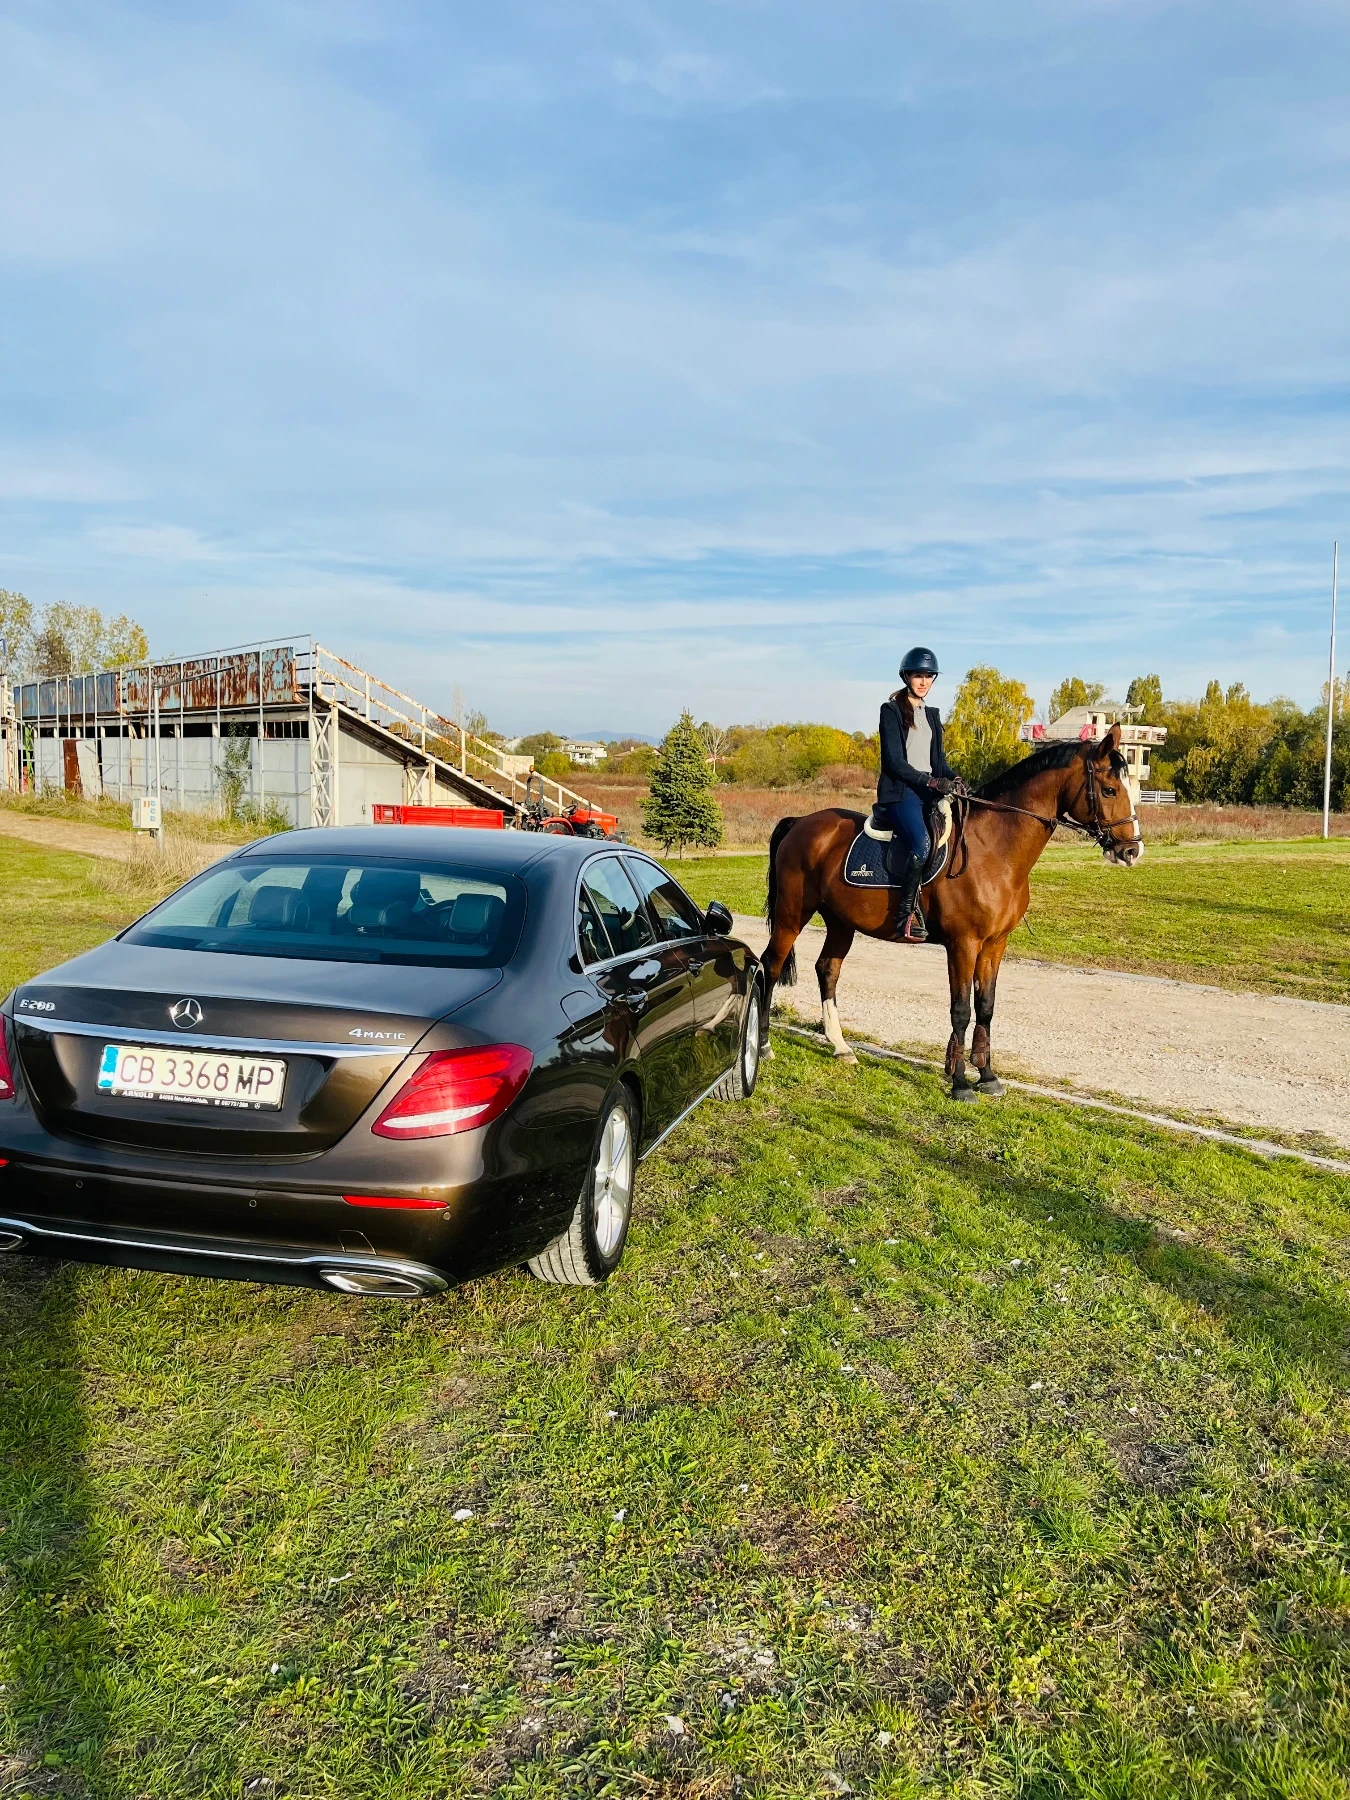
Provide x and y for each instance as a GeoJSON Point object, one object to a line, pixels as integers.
{"type": "Point", "coordinates": [739, 1081]}
{"type": "Point", "coordinates": [590, 1249]}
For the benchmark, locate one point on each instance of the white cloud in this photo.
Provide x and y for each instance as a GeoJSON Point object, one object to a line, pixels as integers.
{"type": "Point", "coordinates": [176, 544]}
{"type": "Point", "coordinates": [714, 350]}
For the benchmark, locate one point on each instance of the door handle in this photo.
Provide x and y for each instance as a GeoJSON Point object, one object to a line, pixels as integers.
{"type": "Point", "coordinates": [696, 968]}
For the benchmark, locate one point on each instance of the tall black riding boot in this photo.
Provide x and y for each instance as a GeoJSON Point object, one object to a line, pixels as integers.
{"type": "Point", "coordinates": [904, 872]}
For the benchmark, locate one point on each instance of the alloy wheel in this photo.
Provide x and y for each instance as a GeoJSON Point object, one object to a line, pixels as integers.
{"type": "Point", "coordinates": [612, 1183]}
{"type": "Point", "coordinates": [750, 1045]}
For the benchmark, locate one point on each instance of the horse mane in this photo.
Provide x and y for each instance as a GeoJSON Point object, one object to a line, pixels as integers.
{"type": "Point", "coordinates": [1049, 756]}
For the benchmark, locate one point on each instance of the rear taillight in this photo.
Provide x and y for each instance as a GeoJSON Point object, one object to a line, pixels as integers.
{"type": "Point", "coordinates": [7, 1087]}
{"type": "Point", "coordinates": [455, 1090]}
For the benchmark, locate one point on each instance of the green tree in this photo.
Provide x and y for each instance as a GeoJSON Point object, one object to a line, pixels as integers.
{"type": "Point", "coordinates": [123, 642]}
{"type": "Point", "coordinates": [681, 807]}
{"type": "Point", "coordinates": [540, 744]}
{"type": "Point", "coordinates": [1146, 691]}
{"type": "Point", "coordinates": [234, 772]}
{"type": "Point", "coordinates": [790, 755]}
{"type": "Point", "coordinates": [1230, 743]}
{"type": "Point", "coordinates": [1074, 691]}
{"type": "Point", "coordinates": [16, 628]}
{"type": "Point", "coordinates": [628, 757]}
{"type": "Point", "coordinates": [553, 763]}
{"type": "Point", "coordinates": [982, 734]}
{"type": "Point", "coordinates": [72, 640]}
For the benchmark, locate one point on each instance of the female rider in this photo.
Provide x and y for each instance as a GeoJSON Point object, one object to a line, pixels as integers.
{"type": "Point", "coordinates": [913, 771]}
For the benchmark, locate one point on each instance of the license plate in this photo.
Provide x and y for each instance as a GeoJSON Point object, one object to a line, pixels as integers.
{"type": "Point", "coordinates": [192, 1077]}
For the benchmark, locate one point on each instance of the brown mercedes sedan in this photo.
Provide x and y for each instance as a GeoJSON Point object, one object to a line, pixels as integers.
{"type": "Point", "coordinates": [382, 1061]}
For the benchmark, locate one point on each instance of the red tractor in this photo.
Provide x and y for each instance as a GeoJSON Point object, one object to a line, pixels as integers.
{"type": "Point", "coordinates": [578, 821]}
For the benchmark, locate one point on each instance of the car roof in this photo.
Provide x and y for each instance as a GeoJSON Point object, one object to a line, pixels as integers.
{"type": "Point", "coordinates": [504, 850]}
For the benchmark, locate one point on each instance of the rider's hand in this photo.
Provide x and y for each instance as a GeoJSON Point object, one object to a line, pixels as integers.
{"type": "Point", "coordinates": [941, 784]}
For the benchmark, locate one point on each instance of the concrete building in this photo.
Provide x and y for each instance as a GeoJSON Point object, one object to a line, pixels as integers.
{"type": "Point", "coordinates": [1094, 722]}
{"type": "Point", "coordinates": [587, 755]}
{"type": "Point", "coordinates": [316, 740]}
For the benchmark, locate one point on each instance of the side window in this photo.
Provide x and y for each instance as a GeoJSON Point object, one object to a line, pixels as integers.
{"type": "Point", "coordinates": [617, 906]}
{"type": "Point", "coordinates": [675, 914]}
{"type": "Point", "coordinates": [595, 946]}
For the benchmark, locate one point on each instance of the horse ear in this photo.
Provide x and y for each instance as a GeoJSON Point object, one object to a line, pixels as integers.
{"type": "Point", "coordinates": [1110, 743]}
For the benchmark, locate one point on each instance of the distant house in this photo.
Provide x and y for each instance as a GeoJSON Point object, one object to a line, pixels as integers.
{"type": "Point", "coordinates": [588, 755]}
{"type": "Point", "coordinates": [1094, 722]}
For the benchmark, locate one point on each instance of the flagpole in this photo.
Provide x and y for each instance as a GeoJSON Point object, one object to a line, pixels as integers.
{"type": "Point", "coordinates": [1331, 698]}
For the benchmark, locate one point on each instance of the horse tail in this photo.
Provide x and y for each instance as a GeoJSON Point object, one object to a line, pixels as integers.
{"type": "Point", "coordinates": [788, 978]}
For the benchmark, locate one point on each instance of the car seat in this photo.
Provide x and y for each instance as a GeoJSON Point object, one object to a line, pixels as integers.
{"type": "Point", "coordinates": [474, 919]}
{"type": "Point", "coordinates": [278, 908]}
{"type": "Point", "coordinates": [383, 900]}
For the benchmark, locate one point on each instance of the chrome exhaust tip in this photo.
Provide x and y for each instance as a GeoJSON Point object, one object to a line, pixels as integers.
{"type": "Point", "coordinates": [10, 1240]}
{"type": "Point", "coordinates": [376, 1283]}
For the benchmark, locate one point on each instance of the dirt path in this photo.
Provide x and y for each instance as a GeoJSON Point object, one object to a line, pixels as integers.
{"type": "Point", "coordinates": [67, 834]}
{"type": "Point", "coordinates": [1252, 1059]}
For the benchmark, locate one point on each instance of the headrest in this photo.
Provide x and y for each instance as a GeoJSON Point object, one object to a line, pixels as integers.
{"type": "Point", "coordinates": [279, 909]}
{"type": "Point", "coordinates": [382, 887]}
{"type": "Point", "coordinates": [473, 915]}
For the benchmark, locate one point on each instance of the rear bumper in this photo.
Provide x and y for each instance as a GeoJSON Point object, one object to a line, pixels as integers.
{"type": "Point", "coordinates": [230, 1259]}
{"type": "Point", "coordinates": [203, 1221]}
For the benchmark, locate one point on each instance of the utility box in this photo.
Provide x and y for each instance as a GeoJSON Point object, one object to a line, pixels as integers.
{"type": "Point", "coordinates": [147, 813]}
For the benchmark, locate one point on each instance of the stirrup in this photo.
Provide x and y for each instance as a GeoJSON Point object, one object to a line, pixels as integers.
{"type": "Point", "coordinates": [915, 928]}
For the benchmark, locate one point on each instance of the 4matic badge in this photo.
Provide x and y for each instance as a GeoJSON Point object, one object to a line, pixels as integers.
{"type": "Point", "coordinates": [391, 1037]}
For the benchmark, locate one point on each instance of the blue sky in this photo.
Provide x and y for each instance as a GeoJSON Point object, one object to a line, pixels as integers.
{"type": "Point", "coordinates": [605, 359]}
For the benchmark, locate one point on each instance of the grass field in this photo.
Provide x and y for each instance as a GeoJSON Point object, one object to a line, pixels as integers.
{"type": "Point", "coordinates": [50, 909]}
{"type": "Point", "coordinates": [115, 815]}
{"type": "Point", "coordinates": [1273, 917]}
{"type": "Point", "coordinates": [992, 1452]}
{"type": "Point", "coordinates": [999, 1451]}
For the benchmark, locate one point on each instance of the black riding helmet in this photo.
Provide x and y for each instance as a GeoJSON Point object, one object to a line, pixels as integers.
{"type": "Point", "coordinates": [919, 661]}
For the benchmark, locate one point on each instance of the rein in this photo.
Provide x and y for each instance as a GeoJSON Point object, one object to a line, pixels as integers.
{"type": "Point", "coordinates": [1101, 830]}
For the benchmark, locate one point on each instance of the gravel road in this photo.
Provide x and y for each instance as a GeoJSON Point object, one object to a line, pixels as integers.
{"type": "Point", "coordinates": [1251, 1059]}
{"type": "Point", "coordinates": [67, 834]}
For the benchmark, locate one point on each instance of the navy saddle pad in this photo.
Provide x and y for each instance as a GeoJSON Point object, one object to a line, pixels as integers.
{"type": "Point", "coordinates": [865, 864]}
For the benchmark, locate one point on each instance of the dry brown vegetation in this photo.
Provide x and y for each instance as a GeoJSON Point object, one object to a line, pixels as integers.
{"type": "Point", "coordinates": [752, 812]}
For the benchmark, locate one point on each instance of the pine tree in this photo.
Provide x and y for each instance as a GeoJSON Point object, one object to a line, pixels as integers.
{"type": "Point", "coordinates": [681, 807]}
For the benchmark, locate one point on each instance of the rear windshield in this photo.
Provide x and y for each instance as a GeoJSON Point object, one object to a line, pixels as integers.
{"type": "Point", "coordinates": [331, 909]}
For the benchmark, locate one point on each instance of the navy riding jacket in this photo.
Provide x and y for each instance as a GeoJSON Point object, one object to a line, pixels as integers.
{"type": "Point", "coordinates": [897, 774]}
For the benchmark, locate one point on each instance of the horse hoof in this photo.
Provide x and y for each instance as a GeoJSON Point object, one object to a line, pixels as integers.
{"type": "Point", "coordinates": [845, 1056]}
{"type": "Point", "coordinates": [992, 1088]}
{"type": "Point", "coordinates": [766, 1054]}
{"type": "Point", "coordinates": [965, 1093]}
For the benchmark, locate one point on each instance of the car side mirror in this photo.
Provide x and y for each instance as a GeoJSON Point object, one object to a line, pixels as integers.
{"type": "Point", "coordinates": [718, 920]}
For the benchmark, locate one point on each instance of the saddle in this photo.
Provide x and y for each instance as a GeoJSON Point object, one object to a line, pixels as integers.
{"type": "Point", "coordinates": [865, 864]}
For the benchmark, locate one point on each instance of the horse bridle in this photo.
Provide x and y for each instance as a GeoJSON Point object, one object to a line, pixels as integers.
{"type": "Point", "coordinates": [1100, 829]}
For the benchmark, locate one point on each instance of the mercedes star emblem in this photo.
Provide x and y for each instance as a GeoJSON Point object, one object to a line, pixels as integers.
{"type": "Point", "coordinates": [186, 1013]}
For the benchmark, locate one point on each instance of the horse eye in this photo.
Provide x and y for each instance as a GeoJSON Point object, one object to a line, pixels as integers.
{"type": "Point", "coordinates": [1108, 789]}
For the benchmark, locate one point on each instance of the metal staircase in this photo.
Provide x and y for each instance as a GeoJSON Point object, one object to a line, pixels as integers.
{"type": "Point", "coordinates": [437, 752]}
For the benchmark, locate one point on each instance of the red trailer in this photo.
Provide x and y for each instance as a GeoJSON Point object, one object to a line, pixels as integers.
{"type": "Point", "coordinates": [482, 818]}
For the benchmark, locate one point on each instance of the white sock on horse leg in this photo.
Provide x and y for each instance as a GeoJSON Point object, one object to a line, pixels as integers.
{"type": "Point", "coordinates": [833, 1029]}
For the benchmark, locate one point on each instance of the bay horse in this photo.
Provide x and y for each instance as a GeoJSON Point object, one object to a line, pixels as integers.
{"type": "Point", "coordinates": [972, 906]}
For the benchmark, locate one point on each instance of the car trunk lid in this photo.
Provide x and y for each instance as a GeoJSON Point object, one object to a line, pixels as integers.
{"type": "Point", "coordinates": [341, 1034]}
